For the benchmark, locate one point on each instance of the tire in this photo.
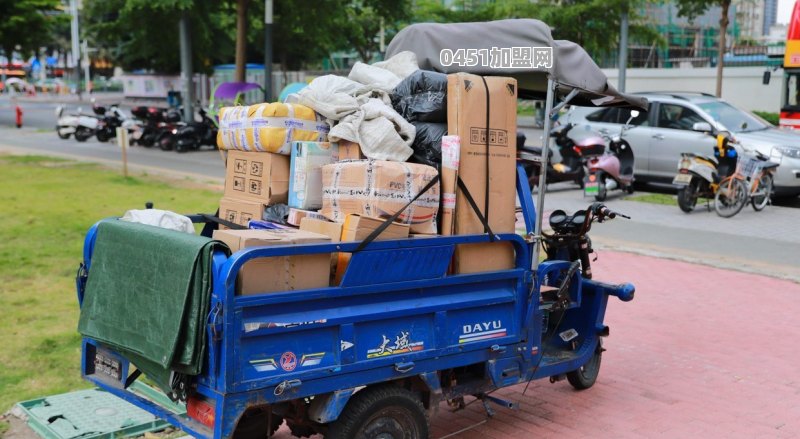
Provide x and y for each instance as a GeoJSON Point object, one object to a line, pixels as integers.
{"type": "Point", "coordinates": [687, 196]}
{"type": "Point", "coordinates": [585, 377]}
{"type": "Point", "coordinates": [254, 424]}
{"type": "Point", "coordinates": [602, 192]}
{"type": "Point", "coordinates": [300, 430]}
{"type": "Point", "coordinates": [62, 136]}
{"type": "Point", "coordinates": [165, 142]}
{"type": "Point", "coordinates": [728, 203]}
{"type": "Point", "coordinates": [759, 202]}
{"type": "Point", "coordinates": [102, 136]}
{"type": "Point", "coordinates": [83, 134]}
{"type": "Point", "coordinates": [387, 411]}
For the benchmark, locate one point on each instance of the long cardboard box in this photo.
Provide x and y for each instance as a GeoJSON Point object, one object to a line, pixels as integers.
{"type": "Point", "coordinates": [276, 274]}
{"type": "Point", "coordinates": [466, 117]}
{"type": "Point", "coordinates": [261, 177]}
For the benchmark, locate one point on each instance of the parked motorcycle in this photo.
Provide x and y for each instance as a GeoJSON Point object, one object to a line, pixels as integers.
{"type": "Point", "coordinates": [613, 169]}
{"type": "Point", "coordinates": [167, 132]}
{"type": "Point", "coordinates": [699, 175]}
{"type": "Point", "coordinates": [149, 127]}
{"type": "Point", "coordinates": [109, 119]}
{"type": "Point", "coordinates": [195, 134]}
{"type": "Point", "coordinates": [82, 126]}
{"type": "Point", "coordinates": [573, 156]}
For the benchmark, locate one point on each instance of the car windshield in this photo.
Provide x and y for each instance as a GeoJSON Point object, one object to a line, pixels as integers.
{"type": "Point", "coordinates": [732, 118]}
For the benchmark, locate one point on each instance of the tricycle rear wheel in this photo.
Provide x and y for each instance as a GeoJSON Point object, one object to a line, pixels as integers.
{"type": "Point", "coordinates": [388, 412]}
{"type": "Point", "coordinates": [254, 424]}
{"type": "Point", "coordinates": [586, 375]}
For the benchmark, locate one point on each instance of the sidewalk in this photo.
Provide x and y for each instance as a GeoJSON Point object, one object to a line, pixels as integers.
{"type": "Point", "coordinates": [700, 352]}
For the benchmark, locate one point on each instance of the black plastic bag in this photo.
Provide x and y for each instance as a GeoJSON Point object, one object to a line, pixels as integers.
{"type": "Point", "coordinates": [427, 144]}
{"type": "Point", "coordinates": [422, 97]}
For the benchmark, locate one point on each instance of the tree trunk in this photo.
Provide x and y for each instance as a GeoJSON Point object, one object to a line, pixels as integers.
{"type": "Point", "coordinates": [241, 39]}
{"type": "Point", "coordinates": [723, 29]}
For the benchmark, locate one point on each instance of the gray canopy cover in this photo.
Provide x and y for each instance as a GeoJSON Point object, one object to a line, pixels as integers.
{"type": "Point", "coordinates": [571, 67]}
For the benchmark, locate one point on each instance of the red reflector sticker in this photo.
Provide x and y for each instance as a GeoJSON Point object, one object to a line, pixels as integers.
{"type": "Point", "coordinates": [200, 410]}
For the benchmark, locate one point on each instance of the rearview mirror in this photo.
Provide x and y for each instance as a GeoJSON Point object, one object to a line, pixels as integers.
{"type": "Point", "coordinates": [765, 79]}
{"type": "Point", "coordinates": [703, 127]}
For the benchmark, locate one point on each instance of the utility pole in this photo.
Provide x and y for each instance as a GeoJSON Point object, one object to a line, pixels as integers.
{"type": "Point", "coordinates": [86, 66]}
{"type": "Point", "coordinates": [268, 50]}
{"type": "Point", "coordinates": [76, 52]}
{"type": "Point", "coordinates": [187, 87]}
{"type": "Point", "coordinates": [623, 49]}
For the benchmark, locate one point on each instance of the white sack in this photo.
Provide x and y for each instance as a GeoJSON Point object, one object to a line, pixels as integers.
{"type": "Point", "coordinates": [160, 218]}
{"type": "Point", "coordinates": [382, 133]}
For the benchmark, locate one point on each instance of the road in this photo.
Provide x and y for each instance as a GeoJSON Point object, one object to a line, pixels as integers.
{"type": "Point", "coordinates": [765, 242]}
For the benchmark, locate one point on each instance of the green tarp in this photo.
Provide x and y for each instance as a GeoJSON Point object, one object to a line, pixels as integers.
{"type": "Point", "coordinates": [147, 297]}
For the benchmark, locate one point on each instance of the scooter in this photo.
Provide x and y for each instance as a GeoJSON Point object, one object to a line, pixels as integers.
{"type": "Point", "coordinates": [196, 134]}
{"type": "Point", "coordinates": [167, 131]}
{"type": "Point", "coordinates": [149, 127]}
{"type": "Point", "coordinates": [613, 169]}
{"type": "Point", "coordinates": [699, 175]}
{"type": "Point", "coordinates": [82, 126]}
{"type": "Point", "coordinates": [573, 156]}
{"type": "Point", "coordinates": [109, 120]}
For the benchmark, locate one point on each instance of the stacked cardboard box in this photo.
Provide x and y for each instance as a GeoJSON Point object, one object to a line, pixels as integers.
{"type": "Point", "coordinates": [253, 180]}
{"type": "Point", "coordinates": [487, 152]}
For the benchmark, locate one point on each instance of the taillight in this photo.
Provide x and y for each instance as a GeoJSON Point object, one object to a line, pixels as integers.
{"type": "Point", "coordinates": [201, 411]}
{"type": "Point", "coordinates": [577, 150]}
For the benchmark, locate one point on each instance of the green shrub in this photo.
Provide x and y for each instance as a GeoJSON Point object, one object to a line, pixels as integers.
{"type": "Point", "coordinates": [773, 118]}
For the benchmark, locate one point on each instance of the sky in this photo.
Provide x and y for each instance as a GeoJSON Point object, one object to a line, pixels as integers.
{"type": "Point", "coordinates": [785, 10]}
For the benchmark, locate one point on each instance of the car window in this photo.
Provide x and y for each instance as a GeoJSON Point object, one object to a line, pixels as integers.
{"type": "Point", "coordinates": [641, 119]}
{"type": "Point", "coordinates": [606, 115]}
{"type": "Point", "coordinates": [731, 117]}
{"type": "Point", "coordinates": [677, 117]}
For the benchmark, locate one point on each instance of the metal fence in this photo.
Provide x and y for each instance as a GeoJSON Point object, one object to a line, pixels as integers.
{"type": "Point", "coordinates": [690, 57]}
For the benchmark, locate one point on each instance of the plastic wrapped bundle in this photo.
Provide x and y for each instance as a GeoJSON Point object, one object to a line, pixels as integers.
{"type": "Point", "coordinates": [422, 97]}
{"type": "Point", "coordinates": [427, 144]}
{"type": "Point", "coordinates": [269, 127]}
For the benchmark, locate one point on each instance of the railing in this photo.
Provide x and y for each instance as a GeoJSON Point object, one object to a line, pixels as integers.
{"type": "Point", "coordinates": [692, 57]}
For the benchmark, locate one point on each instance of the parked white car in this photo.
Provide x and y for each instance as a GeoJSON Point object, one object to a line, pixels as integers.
{"type": "Point", "coordinates": [687, 122]}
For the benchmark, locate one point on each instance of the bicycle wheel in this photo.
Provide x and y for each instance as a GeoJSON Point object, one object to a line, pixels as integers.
{"type": "Point", "coordinates": [730, 198]}
{"type": "Point", "coordinates": [760, 198]}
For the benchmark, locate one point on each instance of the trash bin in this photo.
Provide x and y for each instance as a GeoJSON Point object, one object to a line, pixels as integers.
{"type": "Point", "coordinates": [174, 99]}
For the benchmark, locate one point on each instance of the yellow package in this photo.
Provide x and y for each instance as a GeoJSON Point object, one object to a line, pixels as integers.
{"type": "Point", "coordinates": [269, 127]}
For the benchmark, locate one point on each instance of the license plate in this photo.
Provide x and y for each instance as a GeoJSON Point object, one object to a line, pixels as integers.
{"type": "Point", "coordinates": [590, 185]}
{"type": "Point", "coordinates": [682, 179]}
{"type": "Point", "coordinates": [107, 365]}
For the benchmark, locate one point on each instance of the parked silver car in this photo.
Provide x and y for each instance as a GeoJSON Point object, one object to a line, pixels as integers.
{"type": "Point", "coordinates": [682, 122]}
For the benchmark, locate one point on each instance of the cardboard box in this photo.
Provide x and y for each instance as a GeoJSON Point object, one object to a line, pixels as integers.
{"type": "Point", "coordinates": [323, 227]}
{"type": "Point", "coordinates": [305, 179]}
{"type": "Point", "coordinates": [358, 228]}
{"type": "Point", "coordinates": [379, 189]}
{"type": "Point", "coordinates": [239, 211]}
{"type": "Point", "coordinates": [296, 216]}
{"type": "Point", "coordinates": [327, 228]}
{"type": "Point", "coordinates": [466, 118]}
{"type": "Point", "coordinates": [257, 176]}
{"type": "Point", "coordinates": [350, 150]}
{"type": "Point", "coordinates": [277, 274]}
{"type": "Point", "coordinates": [451, 150]}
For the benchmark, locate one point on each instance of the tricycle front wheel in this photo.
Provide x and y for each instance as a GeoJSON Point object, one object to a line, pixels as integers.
{"type": "Point", "coordinates": [388, 412]}
{"type": "Point", "coordinates": [586, 375]}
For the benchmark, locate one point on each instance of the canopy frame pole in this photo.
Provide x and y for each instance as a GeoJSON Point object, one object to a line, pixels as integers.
{"type": "Point", "coordinates": [548, 122]}
{"type": "Point", "coordinates": [564, 103]}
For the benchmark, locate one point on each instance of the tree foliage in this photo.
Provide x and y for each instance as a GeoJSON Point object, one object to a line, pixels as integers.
{"type": "Point", "coordinates": [27, 23]}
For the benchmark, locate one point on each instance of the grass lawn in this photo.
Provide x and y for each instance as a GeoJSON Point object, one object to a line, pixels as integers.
{"type": "Point", "coordinates": [47, 206]}
{"type": "Point", "coordinates": [669, 200]}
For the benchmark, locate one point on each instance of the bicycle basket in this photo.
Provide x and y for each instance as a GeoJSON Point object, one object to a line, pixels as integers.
{"type": "Point", "coordinates": [749, 167]}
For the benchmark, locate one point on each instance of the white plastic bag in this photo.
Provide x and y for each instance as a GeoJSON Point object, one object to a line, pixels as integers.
{"type": "Point", "coordinates": [160, 218]}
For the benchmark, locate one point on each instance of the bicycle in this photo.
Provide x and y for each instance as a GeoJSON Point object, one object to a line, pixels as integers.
{"type": "Point", "coordinates": [752, 182]}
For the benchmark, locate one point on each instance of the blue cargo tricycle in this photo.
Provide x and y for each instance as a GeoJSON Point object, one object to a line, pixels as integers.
{"type": "Point", "coordinates": [374, 356]}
